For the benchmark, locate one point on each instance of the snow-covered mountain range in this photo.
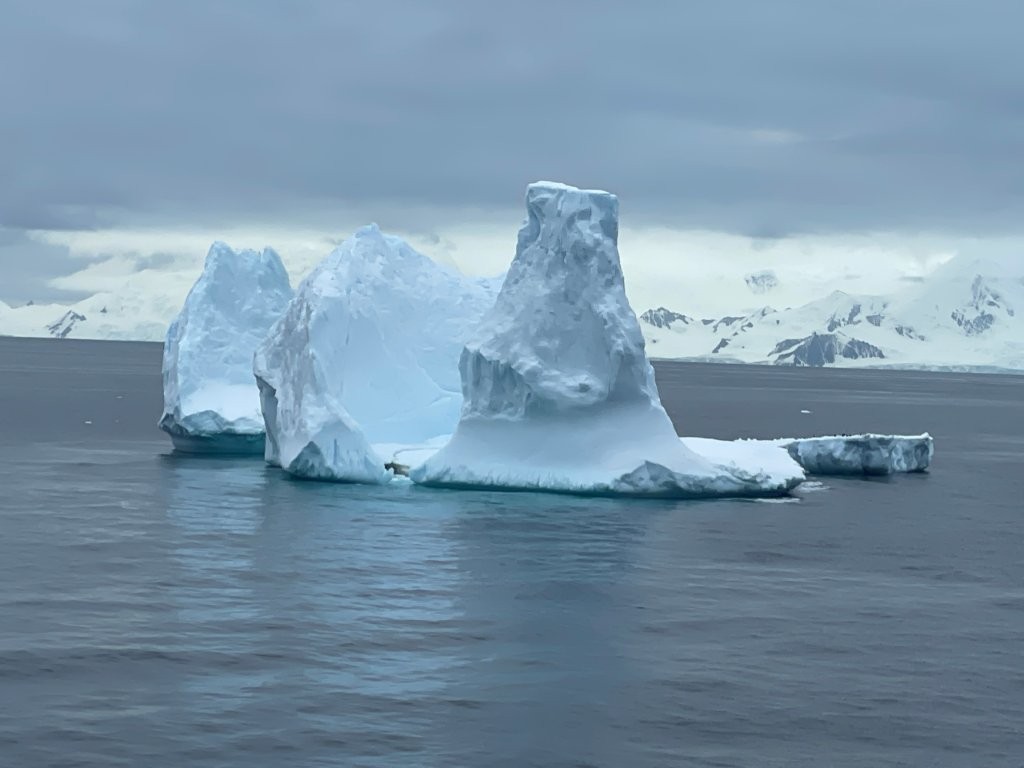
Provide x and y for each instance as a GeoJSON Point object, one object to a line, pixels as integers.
{"type": "Point", "coordinates": [140, 309]}
{"type": "Point", "coordinates": [968, 314]}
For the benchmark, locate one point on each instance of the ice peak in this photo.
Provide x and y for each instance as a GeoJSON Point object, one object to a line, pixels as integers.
{"type": "Point", "coordinates": [371, 248]}
{"type": "Point", "coordinates": [558, 186]}
{"type": "Point", "coordinates": [222, 254]}
{"type": "Point", "coordinates": [562, 320]}
{"type": "Point", "coordinates": [369, 230]}
{"type": "Point", "coordinates": [588, 214]}
{"type": "Point", "coordinates": [222, 260]}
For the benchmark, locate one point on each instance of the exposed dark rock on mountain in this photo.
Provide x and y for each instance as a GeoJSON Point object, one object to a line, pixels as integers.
{"type": "Point", "coordinates": [65, 325]}
{"type": "Point", "coordinates": [820, 349]}
{"type": "Point", "coordinates": [664, 318]}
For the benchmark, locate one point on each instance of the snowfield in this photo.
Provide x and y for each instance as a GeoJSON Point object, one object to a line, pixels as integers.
{"type": "Point", "coordinates": [967, 315]}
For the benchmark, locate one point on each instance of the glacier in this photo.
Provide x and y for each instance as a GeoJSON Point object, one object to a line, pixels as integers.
{"type": "Point", "coordinates": [366, 354]}
{"type": "Point", "coordinates": [211, 403]}
{"type": "Point", "coordinates": [558, 394]}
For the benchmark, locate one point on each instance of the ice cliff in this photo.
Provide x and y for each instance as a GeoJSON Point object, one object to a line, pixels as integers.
{"type": "Point", "coordinates": [211, 402]}
{"type": "Point", "coordinates": [559, 394]}
{"type": "Point", "coordinates": [366, 353]}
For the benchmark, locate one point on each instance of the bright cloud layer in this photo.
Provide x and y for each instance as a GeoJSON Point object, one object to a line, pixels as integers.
{"type": "Point", "coordinates": [695, 271]}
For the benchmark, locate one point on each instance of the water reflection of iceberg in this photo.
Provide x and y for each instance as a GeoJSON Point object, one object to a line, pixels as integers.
{"type": "Point", "coordinates": [215, 506]}
{"type": "Point", "coordinates": [332, 598]}
{"type": "Point", "coordinates": [548, 606]}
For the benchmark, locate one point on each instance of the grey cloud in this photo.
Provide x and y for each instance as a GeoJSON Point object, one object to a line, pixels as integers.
{"type": "Point", "coordinates": [752, 117]}
{"type": "Point", "coordinates": [157, 261]}
{"type": "Point", "coordinates": [28, 266]}
{"type": "Point", "coordinates": [19, 213]}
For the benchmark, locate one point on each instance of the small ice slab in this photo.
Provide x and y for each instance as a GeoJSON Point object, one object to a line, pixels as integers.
{"type": "Point", "coordinates": [867, 454]}
{"type": "Point", "coordinates": [862, 454]}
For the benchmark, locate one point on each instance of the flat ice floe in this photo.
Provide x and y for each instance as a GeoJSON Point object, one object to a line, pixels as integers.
{"type": "Point", "coordinates": [558, 392]}
{"type": "Point", "coordinates": [866, 454]}
{"type": "Point", "coordinates": [211, 403]}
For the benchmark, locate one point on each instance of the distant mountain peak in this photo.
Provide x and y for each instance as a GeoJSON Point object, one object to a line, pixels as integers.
{"type": "Point", "coordinates": [821, 349]}
{"type": "Point", "coordinates": [664, 318]}
{"type": "Point", "coordinates": [982, 310]}
{"type": "Point", "coordinates": [66, 324]}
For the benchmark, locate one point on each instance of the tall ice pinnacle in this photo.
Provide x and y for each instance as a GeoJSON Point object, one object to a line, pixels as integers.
{"type": "Point", "coordinates": [558, 392]}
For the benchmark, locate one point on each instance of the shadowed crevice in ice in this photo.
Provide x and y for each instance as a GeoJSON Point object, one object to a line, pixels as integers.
{"type": "Point", "coordinates": [211, 403]}
{"type": "Point", "coordinates": [558, 392]}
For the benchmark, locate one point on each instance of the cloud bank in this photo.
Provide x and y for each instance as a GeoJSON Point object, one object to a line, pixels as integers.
{"type": "Point", "coordinates": [786, 121]}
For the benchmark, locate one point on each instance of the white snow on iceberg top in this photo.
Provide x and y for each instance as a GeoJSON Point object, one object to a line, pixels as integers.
{"type": "Point", "coordinates": [366, 353]}
{"type": "Point", "coordinates": [559, 394]}
{"type": "Point", "coordinates": [210, 398]}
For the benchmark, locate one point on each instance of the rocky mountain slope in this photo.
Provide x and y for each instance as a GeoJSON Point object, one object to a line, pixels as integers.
{"type": "Point", "coordinates": [967, 314]}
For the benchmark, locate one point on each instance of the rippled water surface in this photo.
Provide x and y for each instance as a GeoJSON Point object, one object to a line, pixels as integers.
{"type": "Point", "coordinates": [166, 611]}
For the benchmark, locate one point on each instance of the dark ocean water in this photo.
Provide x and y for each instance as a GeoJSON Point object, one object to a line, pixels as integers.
{"type": "Point", "coordinates": [165, 611]}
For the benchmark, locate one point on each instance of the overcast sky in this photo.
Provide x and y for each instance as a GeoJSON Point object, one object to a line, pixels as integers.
{"type": "Point", "coordinates": [781, 121]}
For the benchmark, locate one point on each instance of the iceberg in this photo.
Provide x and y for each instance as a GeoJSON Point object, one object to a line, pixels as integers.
{"type": "Point", "coordinates": [211, 403]}
{"type": "Point", "coordinates": [367, 353]}
{"type": "Point", "coordinates": [867, 454]}
{"type": "Point", "coordinates": [558, 392]}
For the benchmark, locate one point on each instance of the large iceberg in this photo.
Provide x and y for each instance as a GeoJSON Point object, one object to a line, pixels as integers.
{"type": "Point", "coordinates": [558, 392]}
{"type": "Point", "coordinates": [211, 403]}
{"type": "Point", "coordinates": [366, 353]}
